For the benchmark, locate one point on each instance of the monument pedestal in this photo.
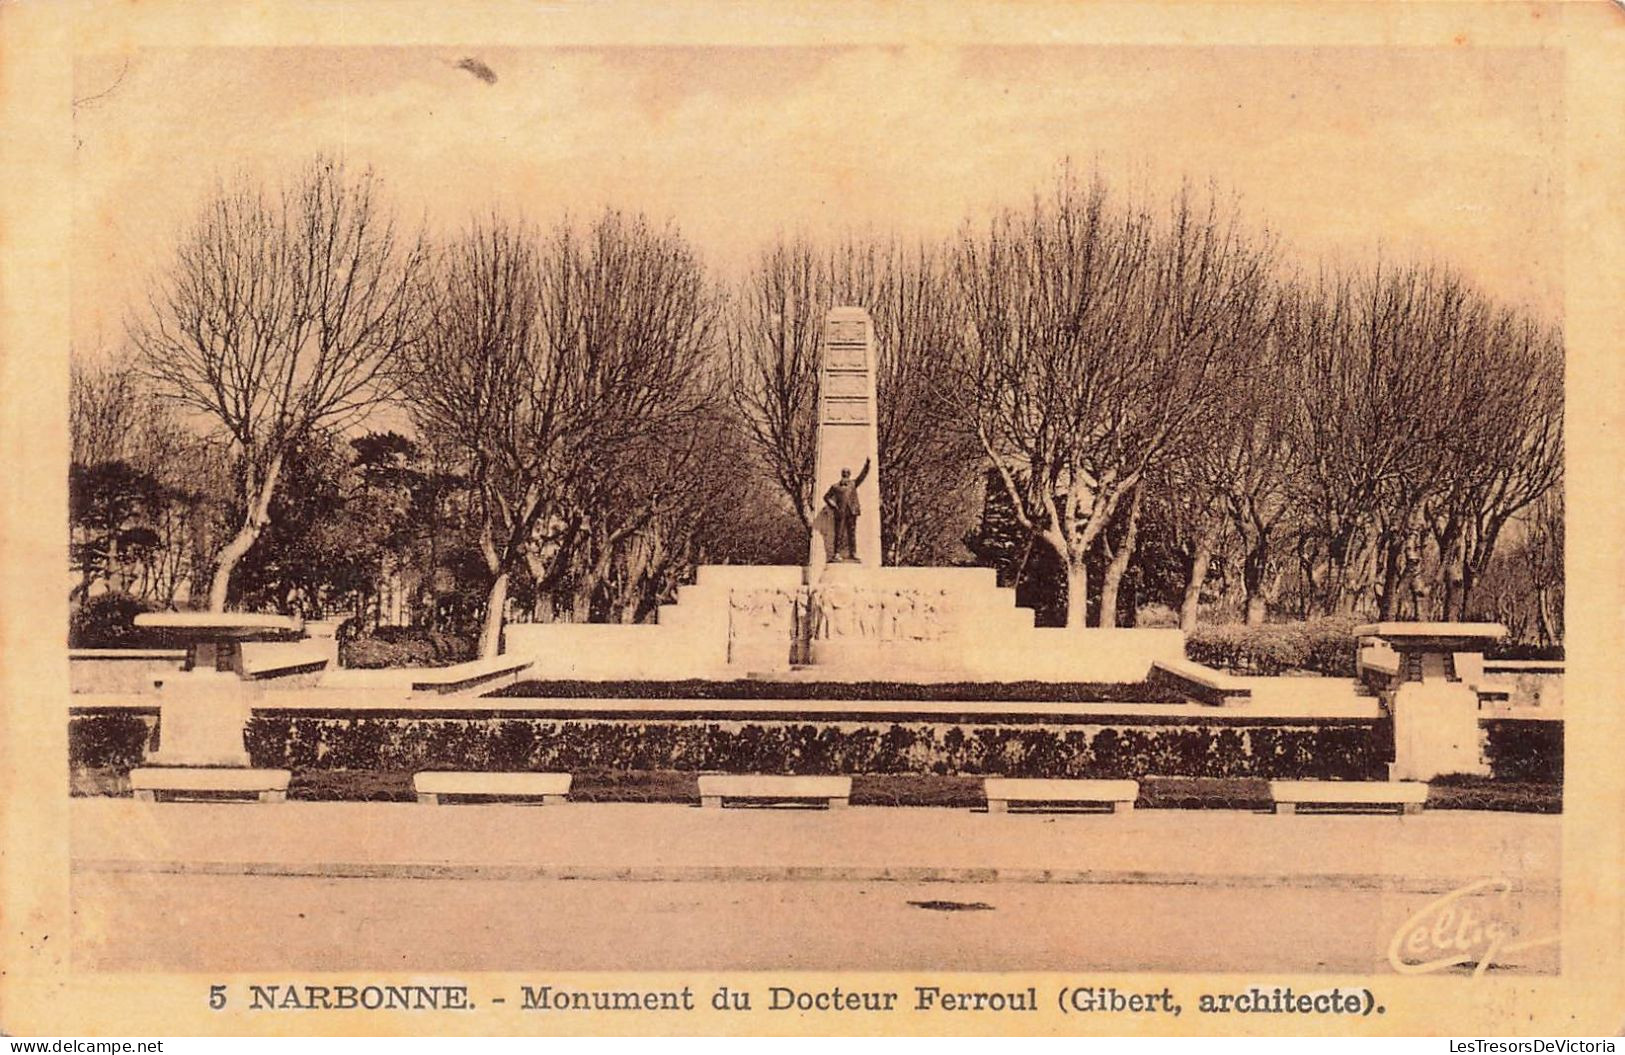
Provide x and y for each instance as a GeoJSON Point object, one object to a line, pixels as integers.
{"type": "Point", "coordinates": [202, 716]}
{"type": "Point", "coordinates": [843, 631]}
{"type": "Point", "coordinates": [1435, 731]}
{"type": "Point", "coordinates": [203, 711]}
{"type": "Point", "coordinates": [1419, 670]}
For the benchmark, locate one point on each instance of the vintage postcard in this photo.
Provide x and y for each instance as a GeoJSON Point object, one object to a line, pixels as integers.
{"type": "Point", "coordinates": [811, 519]}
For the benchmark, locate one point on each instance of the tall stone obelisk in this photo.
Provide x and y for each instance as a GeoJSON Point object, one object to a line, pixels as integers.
{"type": "Point", "coordinates": [847, 434]}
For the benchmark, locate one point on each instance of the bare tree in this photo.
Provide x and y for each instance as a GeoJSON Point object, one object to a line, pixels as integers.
{"type": "Point", "coordinates": [280, 314]}
{"type": "Point", "coordinates": [1093, 340]}
{"type": "Point", "coordinates": [927, 472]}
{"type": "Point", "coordinates": [1506, 445]}
{"type": "Point", "coordinates": [1118, 550]}
{"type": "Point", "coordinates": [1349, 434]}
{"type": "Point", "coordinates": [105, 410]}
{"type": "Point", "coordinates": [1426, 414]}
{"type": "Point", "coordinates": [1243, 457]}
{"type": "Point", "coordinates": [121, 434]}
{"type": "Point", "coordinates": [1544, 551]}
{"type": "Point", "coordinates": [550, 359]}
{"type": "Point", "coordinates": [774, 335]}
{"type": "Point", "coordinates": [1190, 514]}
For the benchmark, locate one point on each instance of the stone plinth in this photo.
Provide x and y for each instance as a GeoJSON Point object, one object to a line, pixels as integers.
{"type": "Point", "coordinates": [204, 709]}
{"type": "Point", "coordinates": [201, 718]}
{"type": "Point", "coordinates": [927, 625]}
{"type": "Point", "coordinates": [1423, 672]}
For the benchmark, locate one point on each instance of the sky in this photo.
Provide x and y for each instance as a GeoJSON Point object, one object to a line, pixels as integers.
{"type": "Point", "coordinates": [1450, 155]}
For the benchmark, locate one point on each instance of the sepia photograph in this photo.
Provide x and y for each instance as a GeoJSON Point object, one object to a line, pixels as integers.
{"type": "Point", "coordinates": [869, 531]}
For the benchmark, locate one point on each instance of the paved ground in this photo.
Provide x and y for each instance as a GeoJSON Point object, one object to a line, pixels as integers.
{"type": "Point", "coordinates": [252, 923]}
{"type": "Point", "coordinates": [582, 887]}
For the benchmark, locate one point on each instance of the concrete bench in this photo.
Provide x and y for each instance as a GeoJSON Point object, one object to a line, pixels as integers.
{"type": "Point", "coordinates": [836, 791]}
{"type": "Point", "coordinates": [475, 674]}
{"type": "Point", "coordinates": [1002, 791]}
{"type": "Point", "coordinates": [267, 785]}
{"type": "Point", "coordinates": [1408, 795]}
{"type": "Point", "coordinates": [550, 788]}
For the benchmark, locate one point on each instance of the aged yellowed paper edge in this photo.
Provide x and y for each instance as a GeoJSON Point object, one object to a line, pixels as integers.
{"type": "Point", "coordinates": [39, 993]}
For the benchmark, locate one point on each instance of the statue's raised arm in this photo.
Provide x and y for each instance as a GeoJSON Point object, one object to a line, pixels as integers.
{"type": "Point", "coordinates": [864, 475]}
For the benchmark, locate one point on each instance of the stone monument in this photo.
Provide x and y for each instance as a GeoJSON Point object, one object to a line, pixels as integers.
{"type": "Point", "coordinates": [847, 438]}
{"type": "Point", "coordinates": [847, 619]}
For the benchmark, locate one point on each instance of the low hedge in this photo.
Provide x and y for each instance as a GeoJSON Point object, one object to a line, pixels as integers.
{"type": "Point", "coordinates": [1517, 750]}
{"type": "Point", "coordinates": [1521, 650]}
{"type": "Point", "coordinates": [1332, 750]}
{"type": "Point", "coordinates": [1325, 646]}
{"type": "Point", "coordinates": [118, 740]}
{"type": "Point", "coordinates": [767, 689]}
{"type": "Point", "coordinates": [1524, 750]}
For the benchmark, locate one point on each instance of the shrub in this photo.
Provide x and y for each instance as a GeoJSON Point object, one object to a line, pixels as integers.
{"type": "Point", "coordinates": [1524, 750]}
{"type": "Point", "coordinates": [395, 646]}
{"type": "Point", "coordinates": [1332, 647]}
{"type": "Point", "coordinates": [1272, 648]}
{"type": "Point", "coordinates": [1325, 646]}
{"type": "Point", "coordinates": [108, 621]}
{"type": "Point", "coordinates": [1156, 616]}
{"type": "Point", "coordinates": [116, 740]}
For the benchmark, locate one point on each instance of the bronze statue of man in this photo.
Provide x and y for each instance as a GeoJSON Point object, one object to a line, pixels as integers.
{"type": "Point", "coordinates": [842, 501]}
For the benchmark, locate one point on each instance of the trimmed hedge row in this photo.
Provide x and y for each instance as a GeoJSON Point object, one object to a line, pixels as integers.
{"type": "Point", "coordinates": [1524, 750]}
{"type": "Point", "coordinates": [1326, 646]}
{"type": "Point", "coordinates": [1337, 751]}
{"type": "Point", "coordinates": [767, 689]}
{"type": "Point", "coordinates": [118, 740]}
{"type": "Point", "coordinates": [1517, 750]}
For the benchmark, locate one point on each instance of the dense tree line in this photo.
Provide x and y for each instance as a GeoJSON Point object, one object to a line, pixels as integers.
{"type": "Point", "coordinates": [1117, 402]}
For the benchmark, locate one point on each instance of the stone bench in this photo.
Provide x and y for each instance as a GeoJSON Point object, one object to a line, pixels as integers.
{"type": "Point", "coordinates": [550, 788]}
{"type": "Point", "coordinates": [475, 674]}
{"type": "Point", "coordinates": [268, 785]}
{"type": "Point", "coordinates": [714, 787]}
{"type": "Point", "coordinates": [1408, 795]}
{"type": "Point", "coordinates": [1002, 791]}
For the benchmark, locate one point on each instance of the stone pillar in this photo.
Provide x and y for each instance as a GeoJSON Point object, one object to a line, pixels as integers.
{"type": "Point", "coordinates": [1434, 708]}
{"type": "Point", "coordinates": [201, 718]}
{"type": "Point", "coordinates": [847, 434]}
{"type": "Point", "coordinates": [324, 634]}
